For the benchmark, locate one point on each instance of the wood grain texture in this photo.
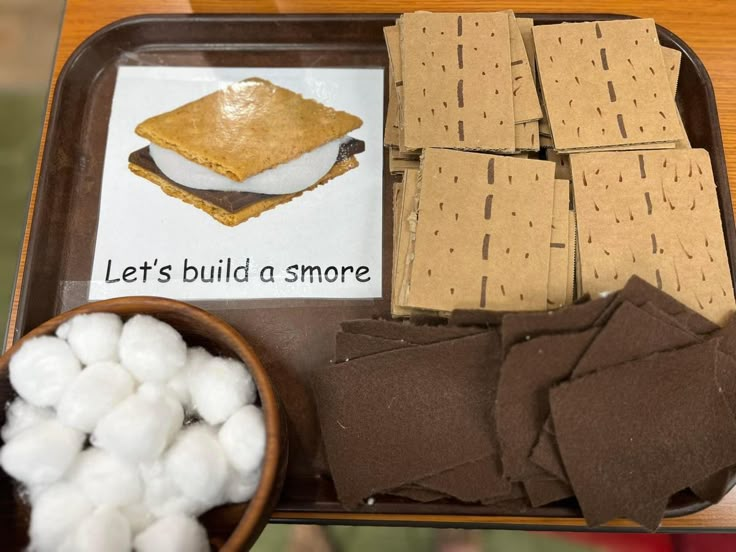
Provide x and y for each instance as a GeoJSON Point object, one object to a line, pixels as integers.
{"type": "Point", "coordinates": [708, 27]}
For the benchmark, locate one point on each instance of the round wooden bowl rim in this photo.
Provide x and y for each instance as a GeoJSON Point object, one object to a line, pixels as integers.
{"type": "Point", "coordinates": [257, 506]}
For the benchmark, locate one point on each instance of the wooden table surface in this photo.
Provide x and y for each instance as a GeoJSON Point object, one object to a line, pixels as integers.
{"type": "Point", "coordinates": [708, 27]}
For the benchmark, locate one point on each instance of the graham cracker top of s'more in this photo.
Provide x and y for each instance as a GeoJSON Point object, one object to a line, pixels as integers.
{"type": "Point", "coordinates": [246, 128]}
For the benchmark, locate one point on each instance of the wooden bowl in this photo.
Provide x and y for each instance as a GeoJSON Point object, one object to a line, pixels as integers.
{"type": "Point", "coordinates": [231, 527]}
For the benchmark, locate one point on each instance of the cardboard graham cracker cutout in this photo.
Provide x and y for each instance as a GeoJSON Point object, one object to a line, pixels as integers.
{"type": "Point", "coordinates": [457, 85]}
{"type": "Point", "coordinates": [656, 215]}
{"type": "Point", "coordinates": [482, 234]}
{"type": "Point", "coordinates": [605, 84]}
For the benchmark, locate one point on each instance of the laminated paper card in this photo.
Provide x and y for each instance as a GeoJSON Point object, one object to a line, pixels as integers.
{"type": "Point", "coordinates": [210, 189]}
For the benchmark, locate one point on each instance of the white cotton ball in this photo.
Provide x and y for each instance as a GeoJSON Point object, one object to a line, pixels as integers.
{"type": "Point", "coordinates": [94, 337]}
{"type": "Point", "coordinates": [105, 529]}
{"type": "Point", "coordinates": [41, 454]}
{"type": "Point", "coordinates": [197, 356]}
{"type": "Point", "coordinates": [163, 497]}
{"type": "Point", "coordinates": [179, 388]}
{"type": "Point", "coordinates": [42, 368]}
{"type": "Point", "coordinates": [196, 463]}
{"type": "Point", "coordinates": [138, 515]}
{"type": "Point", "coordinates": [242, 486]}
{"type": "Point", "coordinates": [173, 534]}
{"type": "Point", "coordinates": [179, 384]}
{"type": "Point", "coordinates": [55, 514]}
{"type": "Point", "coordinates": [156, 392]}
{"type": "Point", "coordinates": [93, 393]}
{"type": "Point", "coordinates": [243, 437]}
{"type": "Point", "coordinates": [106, 479]}
{"type": "Point", "coordinates": [219, 387]}
{"type": "Point", "coordinates": [20, 416]}
{"type": "Point", "coordinates": [140, 427]}
{"type": "Point", "coordinates": [63, 330]}
{"type": "Point", "coordinates": [152, 350]}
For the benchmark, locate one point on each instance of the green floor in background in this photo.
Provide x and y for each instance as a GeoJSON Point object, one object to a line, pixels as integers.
{"type": "Point", "coordinates": [21, 116]}
{"type": "Point", "coordinates": [400, 539]}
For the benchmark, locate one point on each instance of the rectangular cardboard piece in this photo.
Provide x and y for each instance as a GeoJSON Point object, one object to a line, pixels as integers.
{"type": "Point", "coordinates": [672, 60]}
{"type": "Point", "coordinates": [656, 215]}
{"type": "Point", "coordinates": [654, 392]}
{"type": "Point", "coordinates": [526, 101]}
{"type": "Point", "coordinates": [562, 164]}
{"type": "Point", "coordinates": [572, 250]}
{"type": "Point", "coordinates": [482, 235]}
{"type": "Point", "coordinates": [457, 85]}
{"type": "Point", "coordinates": [605, 84]}
{"type": "Point", "coordinates": [404, 238]}
{"type": "Point", "coordinates": [526, 136]}
{"type": "Point", "coordinates": [398, 189]}
{"type": "Point", "coordinates": [557, 281]}
{"type": "Point", "coordinates": [525, 28]}
{"type": "Point", "coordinates": [391, 130]}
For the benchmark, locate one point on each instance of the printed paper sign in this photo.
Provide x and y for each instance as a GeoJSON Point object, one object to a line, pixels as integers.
{"type": "Point", "coordinates": [238, 183]}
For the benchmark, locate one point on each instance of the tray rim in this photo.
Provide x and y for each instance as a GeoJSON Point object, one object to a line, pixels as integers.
{"type": "Point", "coordinates": [519, 521]}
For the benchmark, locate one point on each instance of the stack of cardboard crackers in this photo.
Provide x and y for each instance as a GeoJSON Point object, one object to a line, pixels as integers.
{"type": "Point", "coordinates": [541, 163]}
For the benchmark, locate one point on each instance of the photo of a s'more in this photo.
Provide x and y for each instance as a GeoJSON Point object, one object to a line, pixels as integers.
{"type": "Point", "coordinates": [245, 149]}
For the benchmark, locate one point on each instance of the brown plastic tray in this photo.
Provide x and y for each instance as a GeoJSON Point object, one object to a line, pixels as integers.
{"type": "Point", "coordinates": [291, 336]}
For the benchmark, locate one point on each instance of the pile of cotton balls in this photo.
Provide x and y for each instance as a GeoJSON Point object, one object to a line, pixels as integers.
{"type": "Point", "coordinates": [172, 431]}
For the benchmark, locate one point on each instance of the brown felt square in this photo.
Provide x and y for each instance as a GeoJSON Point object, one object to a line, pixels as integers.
{"type": "Point", "coordinates": [529, 370]}
{"type": "Point", "coordinates": [649, 515]}
{"type": "Point", "coordinates": [545, 491]}
{"type": "Point", "coordinates": [546, 453]}
{"type": "Point", "coordinates": [477, 481]}
{"type": "Point", "coordinates": [404, 331]}
{"type": "Point", "coordinates": [716, 486]}
{"type": "Point", "coordinates": [392, 418]}
{"type": "Point", "coordinates": [651, 413]}
{"type": "Point", "coordinates": [519, 327]}
{"type": "Point", "coordinates": [629, 334]}
{"type": "Point", "coordinates": [656, 215]}
{"type": "Point", "coordinates": [349, 346]}
{"type": "Point", "coordinates": [475, 317]}
{"type": "Point", "coordinates": [417, 493]}
{"type": "Point", "coordinates": [639, 292]}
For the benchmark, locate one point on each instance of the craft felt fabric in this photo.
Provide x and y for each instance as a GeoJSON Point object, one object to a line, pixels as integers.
{"type": "Point", "coordinates": [474, 481]}
{"type": "Point", "coordinates": [529, 370]}
{"type": "Point", "coordinates": [629, 334]}
{"type": "Point", "coordinates": [477, 481]}
{"type": "Point", "coordinates": [519, 327]}
{"type": "Point", "coordinates": [416, 335]}
{"type": "Point", "coordinates": [396, 417]}
{"type": "Point", "coordinates": [649, 411]}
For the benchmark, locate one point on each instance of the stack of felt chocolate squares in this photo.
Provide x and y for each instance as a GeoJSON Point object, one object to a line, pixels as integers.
{"type": "Point", "coordinates": [620, 401]}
